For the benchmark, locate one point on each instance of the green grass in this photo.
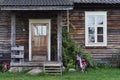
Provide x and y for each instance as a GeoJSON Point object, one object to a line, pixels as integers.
{"type": "Point", "coordinates": [91, 74]}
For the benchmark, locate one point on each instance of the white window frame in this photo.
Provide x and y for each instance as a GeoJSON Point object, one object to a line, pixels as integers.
{"type": "Point", "coordinates": [96, 13]}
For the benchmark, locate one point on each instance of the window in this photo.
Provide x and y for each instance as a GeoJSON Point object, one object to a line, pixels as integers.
{"type": "Point", "coordinates": [96, 28]}
{"type": "Point", "coordinates": [40, 29]}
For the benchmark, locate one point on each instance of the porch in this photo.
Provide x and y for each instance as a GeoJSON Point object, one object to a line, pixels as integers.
{"type": "Point", "coordinates": [36, 25]}
{"type": "Point", "coordinates": [49, 67]}
{"type": "Point", "coordinates": [38, 32]}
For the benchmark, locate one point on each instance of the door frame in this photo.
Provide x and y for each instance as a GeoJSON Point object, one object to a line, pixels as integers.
{"type": "Point", "coordinates": [49, 36]}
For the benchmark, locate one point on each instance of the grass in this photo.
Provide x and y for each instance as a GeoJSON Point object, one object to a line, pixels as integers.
{"type": "Point", "coordinates": [91, 74]}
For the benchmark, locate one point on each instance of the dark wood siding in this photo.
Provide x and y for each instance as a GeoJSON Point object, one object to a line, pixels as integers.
{"type": "Point", "coordinates": [22, 26]}
{"type": "Point", "coordinates": [5, 32]}
{"type": "Point", "coordinates": [22, 29]}
{"type": "Point", "coordinates": [77, 25]}
{"type": "Point", "coordinates": [77, 30]}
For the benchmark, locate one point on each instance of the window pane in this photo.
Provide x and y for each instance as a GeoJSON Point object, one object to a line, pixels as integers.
{"type": "Point", "coordinates": [91, 38]}
{"type": "Point", "coordinates": [91, 34]}
{"type": "Point", "coordinates": [44, 30]}
{"type": "Point", "coordinates": [36, 32]}
{"type": "Point", "coordinates": [100, 38]}
{"type": "Point", "coordinates": [40, 30]}
{"type": "Point", "coordinates": [91, 30]}
{"type": "Point", "coordinates": [100, 30]}
{"type": "Point", "coordinates": [91, 20]}
{"type": "Point", "coordinates": [100, 20]}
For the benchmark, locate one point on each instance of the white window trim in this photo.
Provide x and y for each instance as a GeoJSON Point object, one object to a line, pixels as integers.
{"type": "Point", "coordinates": [104, 43]}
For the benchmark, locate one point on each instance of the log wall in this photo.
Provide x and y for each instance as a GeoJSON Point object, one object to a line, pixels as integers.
{"type": "Point", "coordinates": [22, 30]}
{"type": "Point", "coordinates": [5, 32]}
{"type": "Point", "coordinates": [77, 30]}
{"type": "Point", "coordinates": [77, 26]}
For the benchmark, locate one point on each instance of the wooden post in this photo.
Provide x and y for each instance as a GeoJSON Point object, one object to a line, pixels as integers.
{"type": "Point", "coordinates": [59, 37]}
{"type": "Point", "coordinates": [13, 30]}
{"type": "Point", "coordinates": [68, 27]}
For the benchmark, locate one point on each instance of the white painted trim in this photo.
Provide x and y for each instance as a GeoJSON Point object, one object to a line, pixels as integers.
{"type": "Point", "coordinates": [30, 44]}
{"type": "Point", "coordinates": [96, 13]}
{"type": "Point", "coordinates": [49, 41]}
{"type": "Point", "coordinates": [49, 36]}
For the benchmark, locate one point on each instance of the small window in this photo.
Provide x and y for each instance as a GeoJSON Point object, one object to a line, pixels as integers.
{"type": "Point", "coordinates": [40, 29]}
{"type": "Point", "coordinates": [95, 29]}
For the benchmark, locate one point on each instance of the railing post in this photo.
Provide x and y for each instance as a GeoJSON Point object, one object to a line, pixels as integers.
{"type": "Point", "coordinates": [13, 30]}
{"type": "Point", "coordinates": [59, 37]}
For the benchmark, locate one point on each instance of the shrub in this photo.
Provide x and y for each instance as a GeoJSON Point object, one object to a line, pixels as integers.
{"type": "Point", "coordinates": [89, 59]}
{"type": "Point", "coordinates": [70, 49]}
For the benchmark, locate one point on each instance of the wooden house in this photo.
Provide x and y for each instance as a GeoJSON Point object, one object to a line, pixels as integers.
{"type": "Point", "coordinates": [96, 27]}
{"type": "Point", "coordinates": [93, 24]}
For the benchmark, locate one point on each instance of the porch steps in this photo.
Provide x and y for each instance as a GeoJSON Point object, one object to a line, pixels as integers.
{"type": "Point", "coordinates": [53, 68]}
{"type": "Point", "coordinates": [50, 68]}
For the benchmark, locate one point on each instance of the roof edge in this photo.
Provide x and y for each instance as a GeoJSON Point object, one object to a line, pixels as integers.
{"type": "Point", "coordinates": [36, 8]}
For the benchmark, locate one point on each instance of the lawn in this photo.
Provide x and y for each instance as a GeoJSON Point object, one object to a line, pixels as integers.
{"type": "Point", "coordinates": [91, 74]}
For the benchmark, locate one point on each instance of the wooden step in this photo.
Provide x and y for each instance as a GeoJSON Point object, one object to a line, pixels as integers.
{"type": "Point", "coordinates": [53, 68]}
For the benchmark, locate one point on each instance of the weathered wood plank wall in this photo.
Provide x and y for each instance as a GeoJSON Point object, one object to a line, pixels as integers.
{"type": "Point", "coordinates": [22, 30]}
{"type": "Point", "coordinates": [77, 25]}
{"type": "Point", "coordinates": [5, 32]}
